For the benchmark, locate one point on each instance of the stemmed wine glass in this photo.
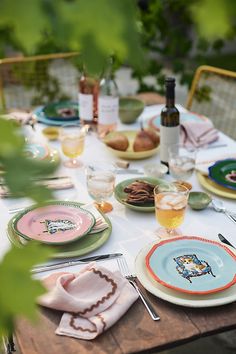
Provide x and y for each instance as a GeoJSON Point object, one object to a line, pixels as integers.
{"type": "Point", "coordinates": [181, 161]}
{"type": "Point", "coordinates": [72, 136]}
{"type": "Point", "coordinates": [100, 184]}
{"type": "Point", "coordinates": [170, 205]}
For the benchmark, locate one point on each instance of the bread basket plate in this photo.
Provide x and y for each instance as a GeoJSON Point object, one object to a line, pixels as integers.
{"type": "Point", "coordinates": [129, 154]}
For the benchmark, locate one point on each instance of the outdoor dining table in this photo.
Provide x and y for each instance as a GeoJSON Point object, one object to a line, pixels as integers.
{"type": "Point", "coordinates": [135, 332]}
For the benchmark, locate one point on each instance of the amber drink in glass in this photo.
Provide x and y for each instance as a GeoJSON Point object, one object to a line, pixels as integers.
{"type": "Point", "coordinates": [170, 206]}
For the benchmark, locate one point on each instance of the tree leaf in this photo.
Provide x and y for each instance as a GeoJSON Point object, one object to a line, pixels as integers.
{"type": "Point", "coordinates": [18, 290]}
{"type": "Point", "coordinates": [73, 25]}
{"type": "Point", "coordinates": [28, 20]}
{"type": "Point", "coordinates": [11, 141]}
{"type": "Point", "coordinates": [219, 24]}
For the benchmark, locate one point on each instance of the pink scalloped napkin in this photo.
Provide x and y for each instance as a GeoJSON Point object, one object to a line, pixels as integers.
{"type": "Point", "coordinates": [198, 133]}
{"type": "Point", "coordinates": [92, 300]}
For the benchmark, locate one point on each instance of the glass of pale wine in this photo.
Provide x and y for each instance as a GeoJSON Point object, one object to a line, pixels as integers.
{"type": "Point", "coordinates": [181, 161]}
{"type": "Point", "coordinates": [170, 205]}
{"type": "Point", "coordinates": [72, 137]}
{"type": "Point", "coordinates": [100, 178]}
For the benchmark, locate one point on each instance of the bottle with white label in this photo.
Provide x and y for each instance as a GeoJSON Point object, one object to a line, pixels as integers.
{"type": "Point", "coordinates": [108, 103]}
{"type": "Point", "coordinates": [88, 97]}
{"type": "Point", "coordinates": [169, 127]}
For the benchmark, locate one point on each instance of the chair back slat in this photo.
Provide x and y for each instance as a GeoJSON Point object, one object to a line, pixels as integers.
{"type": "Point", "coordinates": [213, 93]}
{"type": "Point", "coordinates": [27, 82]}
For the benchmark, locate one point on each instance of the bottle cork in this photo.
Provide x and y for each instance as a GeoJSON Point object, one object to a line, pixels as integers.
{"type": "Point", "coordinates": [122, 164]}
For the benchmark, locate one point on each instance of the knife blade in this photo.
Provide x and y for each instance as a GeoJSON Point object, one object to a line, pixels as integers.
{"type": "Point", "coordinates": [224, 240]}
{"type": "Point", "coordinates": [58, 265]}
{"type": "Point", "coordinates": [129, 171]}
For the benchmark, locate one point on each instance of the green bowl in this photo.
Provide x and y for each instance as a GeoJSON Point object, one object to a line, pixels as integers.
{"type": "Point", "coordinates": [130, 109]}
{"type": "Point", "coordinates": [198, 200]}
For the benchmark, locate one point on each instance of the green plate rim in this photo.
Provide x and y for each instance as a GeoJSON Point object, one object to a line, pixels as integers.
{"type": "Point", "coordinates": [103, 237]}
{"type": "Point", "coordinates": [215, 188]}
{"type": "Point", "coordinates": [20, 214]}
{"type": "Point", "coordinates": [216, 175]}
{"type": "Point", "coordinates": [142, 208]}
{"type": "Point", "coordinates": [55, 104]}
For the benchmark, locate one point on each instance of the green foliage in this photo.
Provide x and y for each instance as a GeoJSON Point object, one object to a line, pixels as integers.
{"type": "Point", "coordinates": [214, 18]}
{"type": "Point", "coordinates": [94, 28]}
{"type": "Point", "coordinates": [170, 37]}
{"type": "Point", "coordinates": [21, 171]}
{"type": "Point", "coordinates": [18, 289]}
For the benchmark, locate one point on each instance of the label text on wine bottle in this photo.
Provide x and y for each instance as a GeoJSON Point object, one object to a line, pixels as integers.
{"type": "Point", "coordinates": [86, 106]}
{"type": "Point", "coordinates": [169, 137]}
{"type": "Point", "coordinates": [108, 108]}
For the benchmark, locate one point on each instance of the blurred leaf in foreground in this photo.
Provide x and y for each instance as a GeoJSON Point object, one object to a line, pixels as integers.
{"type": "Point", "coordinates": [214, 18]}
{"type": "Point", "coordinates": [19, 170]}
{"type": "Point", "coordinates": [95, 28]}
{"type": "Point", "coordinates": [18, 290]}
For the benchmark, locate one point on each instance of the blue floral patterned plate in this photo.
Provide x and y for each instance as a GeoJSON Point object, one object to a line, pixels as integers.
{"type": "Point", "coordinates": [192, 265]}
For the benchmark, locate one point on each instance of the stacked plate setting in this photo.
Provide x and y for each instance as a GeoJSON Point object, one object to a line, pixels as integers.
{"type": "Point", "coordinates": [64, 225]}
{"type": "Point", "coordinates": [189, 271]}
{"type": "Point", "coordinates": [57, 113]}
{"type": "Point", "coordinates": [221, 179]}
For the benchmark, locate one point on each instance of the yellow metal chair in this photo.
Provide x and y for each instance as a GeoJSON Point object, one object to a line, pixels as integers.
{"type": "Point", "coordinates": [213, 93]}
{"type": "Point", "coordinates": [26, 82]}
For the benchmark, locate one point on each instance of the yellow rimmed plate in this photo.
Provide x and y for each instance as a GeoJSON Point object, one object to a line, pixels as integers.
{"type": "Point", "coordinates": [215, 188]}
{"type": "Point", "coordinates": [130, 154]}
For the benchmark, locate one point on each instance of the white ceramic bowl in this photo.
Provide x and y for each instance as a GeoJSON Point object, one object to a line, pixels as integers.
{"type": "Point", "coordinates": [157, 170]}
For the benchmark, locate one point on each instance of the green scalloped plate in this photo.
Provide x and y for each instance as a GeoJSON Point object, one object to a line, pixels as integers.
{"type": "Point", "coordinates": [85, 245]}
{"type": "Point", "coordinates": [120, 195]}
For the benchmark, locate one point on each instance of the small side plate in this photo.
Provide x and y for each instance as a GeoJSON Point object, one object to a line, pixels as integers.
{"type": "Point", "coordinates": [223, 172]}
{"type": "Point", "coordinates": [120, 195]}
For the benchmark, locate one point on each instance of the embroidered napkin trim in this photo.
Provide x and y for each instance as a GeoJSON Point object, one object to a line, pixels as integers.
{"type": "Point", "coordinates": [99, 302]}
{"type": "Point", "coordinates": [104, 298]}
{"type": "Point", "coordinates": [79, 328]}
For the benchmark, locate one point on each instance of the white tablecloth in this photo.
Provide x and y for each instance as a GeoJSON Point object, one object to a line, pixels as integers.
{"type": "Point", "coordinates": [132, 230]}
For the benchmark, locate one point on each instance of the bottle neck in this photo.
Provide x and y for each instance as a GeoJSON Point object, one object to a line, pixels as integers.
{"type": "Point", "coordinates": [170, 96]}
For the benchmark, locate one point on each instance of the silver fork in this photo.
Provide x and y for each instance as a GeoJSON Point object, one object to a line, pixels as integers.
{"type": "Point", "coordinates": [123, 266]}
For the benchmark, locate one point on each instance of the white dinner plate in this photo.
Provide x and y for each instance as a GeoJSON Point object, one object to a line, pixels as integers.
{"type": "Point", "coordinates": [179, 298]}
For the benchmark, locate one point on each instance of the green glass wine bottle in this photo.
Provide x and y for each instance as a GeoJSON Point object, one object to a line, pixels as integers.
{"type": "Point", "coordinates": [169, 127]}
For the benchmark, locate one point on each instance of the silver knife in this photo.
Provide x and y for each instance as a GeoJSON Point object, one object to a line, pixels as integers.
{"type": "Point", "coordinates": [224, 240]}
{"type": "Point", "coordinates": [129, 171]}
{"type": "Point", "coordinates": [58, 265]}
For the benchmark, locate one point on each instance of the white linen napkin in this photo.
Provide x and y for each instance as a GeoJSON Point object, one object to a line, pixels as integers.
{"type": "Point", "coordinates": [207, 158]}
{"type": "Point", "coordinates": [101, 223]}
{"type": "Point", "coordinates": [92, 300]}
{"type": "Point", "coordinates": [198, 133]}
{"type": "Point", "coordinates": [55, 184]}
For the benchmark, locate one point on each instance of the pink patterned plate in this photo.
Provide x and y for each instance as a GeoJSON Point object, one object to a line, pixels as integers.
{"type": "Point", "coordinates": [55, 223]}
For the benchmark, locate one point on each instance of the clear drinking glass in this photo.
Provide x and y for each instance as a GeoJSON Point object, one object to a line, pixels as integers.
{"type": "Point", "coordinates": [100, 184]}
{"type": "Point", "coordinates": [181, 161]}
{"type": "Point", "coordinates": [72, 137]}
{"type": "Point", "coordinates": [170, 206]}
